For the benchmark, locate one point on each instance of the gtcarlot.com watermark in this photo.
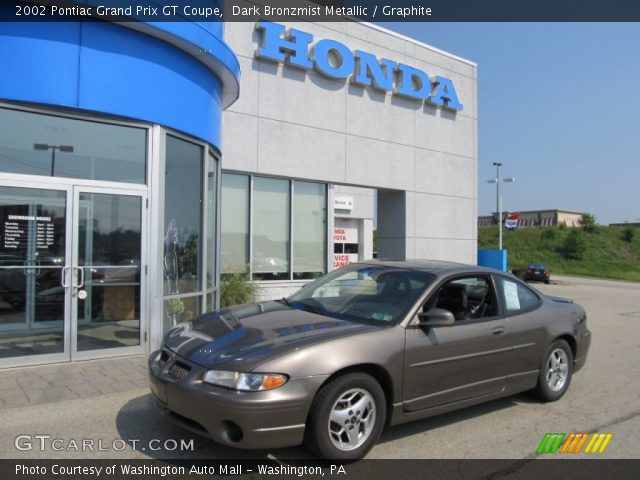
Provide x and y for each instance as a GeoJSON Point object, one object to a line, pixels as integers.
{"type": "Point", "coordinates": [44, 442]}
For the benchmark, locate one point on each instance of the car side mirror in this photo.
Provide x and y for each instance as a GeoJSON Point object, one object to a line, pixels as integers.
{"type": "Point", "coordinates": [436, 317]}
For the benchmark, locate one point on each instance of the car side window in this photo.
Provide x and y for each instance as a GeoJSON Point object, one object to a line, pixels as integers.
{"type": "Point", "coordinates": [518, 298]}
{"type": "Point", "coordinates": [466, 298]}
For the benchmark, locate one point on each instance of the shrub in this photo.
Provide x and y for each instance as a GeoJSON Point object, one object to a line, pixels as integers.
{"type": "Point", "coordinates": [574, 245]}
{"type": "Point", "coordinates": [588, 222]}
{"type": "Point", "coordinates": [236, 289]}
{"type": "Point", "coordinates": [549, 234]}
{"type": "Point", "coordinates": [628, 233]}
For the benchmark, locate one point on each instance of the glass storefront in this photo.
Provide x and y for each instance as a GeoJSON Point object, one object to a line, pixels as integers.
{"type": "Point", "coordinates": [74, 247]}
{"type": "Point", "coordinates": [35, 144]}
{"type": "Point", "coordinates": [188, 257]}
{"type": "Point", "coordinates": [235, 223]}
{"type": "Point", "coordinates": [279, 224]}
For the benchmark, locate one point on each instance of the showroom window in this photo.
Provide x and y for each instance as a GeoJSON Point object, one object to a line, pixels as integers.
{"type": "Point", "coordinates": [270, 233]}
{"type": "Point", "coordinates": [235, 223]}
{"type": "Point", "coordinates": [309, 225]}
{"type": "Point", "coordinates": [49, 145]}
{"type": "Point", "coordinates": [188, 256]}
{"type": "Point", "coordinates": [273, 228]}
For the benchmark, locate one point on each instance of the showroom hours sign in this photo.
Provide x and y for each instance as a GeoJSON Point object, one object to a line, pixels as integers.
{"type": "Point", "coordinates": [17, 232]}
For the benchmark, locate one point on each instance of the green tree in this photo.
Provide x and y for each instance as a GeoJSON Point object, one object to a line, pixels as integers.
{"type": "Point", "coordinates": [574, 245]}
{"type": "Point", "coordinates": [588, 222]}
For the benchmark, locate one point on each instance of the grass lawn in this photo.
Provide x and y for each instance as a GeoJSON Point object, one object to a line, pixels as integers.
{"type": "Point", "coordinates": [602, 253]}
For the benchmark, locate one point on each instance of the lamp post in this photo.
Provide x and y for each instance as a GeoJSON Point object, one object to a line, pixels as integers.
{"type": "Point", "coordinates": [499, 181]}
{"type": "Point", "coordinates": [53, 148]}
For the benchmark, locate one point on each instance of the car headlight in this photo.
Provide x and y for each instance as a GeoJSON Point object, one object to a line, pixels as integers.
{"type": "Point", "coordinates": [245, 382]}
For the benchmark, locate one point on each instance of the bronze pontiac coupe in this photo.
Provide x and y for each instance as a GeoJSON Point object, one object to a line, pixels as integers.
{"type": "Point", "coordinates": [371, 344]}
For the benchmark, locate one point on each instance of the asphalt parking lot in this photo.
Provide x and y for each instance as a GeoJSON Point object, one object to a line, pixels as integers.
{"type": "Point", "coordinates": [603, 397]}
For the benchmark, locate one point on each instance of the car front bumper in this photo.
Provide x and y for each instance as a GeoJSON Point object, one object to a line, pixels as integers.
{"type": "Point", "coordinates": [251, 420]}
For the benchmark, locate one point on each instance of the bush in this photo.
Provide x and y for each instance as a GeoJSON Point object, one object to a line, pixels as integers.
{"type": "Point", "coordinates": [574, 245]}
{"type": "Point", "coordinates": [549, 234]}
{"type": "Point", "coordinates": [236, 289]}
{"type": "Point", "coordinates": [588, 222]}
{"type": "Point", "coordinates": [628, 233]}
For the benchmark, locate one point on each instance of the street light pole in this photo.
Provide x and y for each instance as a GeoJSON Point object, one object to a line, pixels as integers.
{"type": "Point", "coordinates": [498, 181]}
{"type": "Point", "coordinates": [497, 165]}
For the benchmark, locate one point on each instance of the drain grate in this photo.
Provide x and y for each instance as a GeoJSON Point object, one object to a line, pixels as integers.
{"type": "Point", "coordinates": [631, 314]}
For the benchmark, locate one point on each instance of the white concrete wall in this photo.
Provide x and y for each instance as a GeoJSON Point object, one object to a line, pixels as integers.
{"type": "Point", "coordinates": [363, 199]}
{"type": "Point", "coordinates": [300, 124]}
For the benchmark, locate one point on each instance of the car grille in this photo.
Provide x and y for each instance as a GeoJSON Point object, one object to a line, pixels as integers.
{"type": "Point", "coordinates": [179, 370]}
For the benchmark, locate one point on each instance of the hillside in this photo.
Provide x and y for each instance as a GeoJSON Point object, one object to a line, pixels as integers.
{"type": "Point", "coordinates": [604, 252]}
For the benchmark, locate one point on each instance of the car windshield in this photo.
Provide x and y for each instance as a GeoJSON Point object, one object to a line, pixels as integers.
{"type": "Point", "coordinates": [363, 293]}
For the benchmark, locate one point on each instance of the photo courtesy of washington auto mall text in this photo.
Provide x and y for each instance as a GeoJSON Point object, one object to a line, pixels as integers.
{"type": "Point", "coordinates": [124, 469]}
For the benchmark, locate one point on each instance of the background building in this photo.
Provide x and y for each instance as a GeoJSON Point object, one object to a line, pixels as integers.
{"type": "Point", "coordinates": [309, 148]}
{"type": "Point", "coordinates": [538, 218]}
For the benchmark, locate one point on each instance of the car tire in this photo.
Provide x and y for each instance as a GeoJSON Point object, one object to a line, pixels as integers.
{"type": "Point", "coordinates": [555, 372]}
{"type": "Point", "coordinates": [346, 418]}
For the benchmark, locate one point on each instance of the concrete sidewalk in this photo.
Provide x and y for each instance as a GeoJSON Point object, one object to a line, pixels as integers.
{"type": "Point", "coordinates": [42, 384]}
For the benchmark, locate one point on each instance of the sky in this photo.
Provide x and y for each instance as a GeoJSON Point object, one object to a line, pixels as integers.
{"type": "Point", "coordinates": [559, 106]}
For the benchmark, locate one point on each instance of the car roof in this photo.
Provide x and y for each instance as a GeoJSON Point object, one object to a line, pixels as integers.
{"type": "Point", "coordinates": [432, 266]}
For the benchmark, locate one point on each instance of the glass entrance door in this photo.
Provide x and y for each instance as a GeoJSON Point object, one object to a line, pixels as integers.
{"type": "Point", "coordinates": [107, 281]}
{"type": "Point", "coordinates": [71, 272]}
{"type": "Point", "coordinates": [34, 259]}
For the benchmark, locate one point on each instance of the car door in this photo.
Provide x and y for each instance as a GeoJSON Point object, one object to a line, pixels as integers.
{"type": "Point", "coordinates": [528, 330]}
{"type": "Point", "coordinates": [468, 360]}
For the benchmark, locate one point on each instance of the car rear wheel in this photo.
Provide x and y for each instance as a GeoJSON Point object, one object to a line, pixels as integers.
{"type": "Point", "coordinates": [346, 418]}
{"type": "Point", "coordinates": [555, 372]}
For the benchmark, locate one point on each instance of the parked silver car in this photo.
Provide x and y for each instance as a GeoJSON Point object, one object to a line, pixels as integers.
{"type": "Point", "coordinates": [371, 344]}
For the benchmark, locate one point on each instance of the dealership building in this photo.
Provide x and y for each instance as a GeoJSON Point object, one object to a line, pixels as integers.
{"type": "Point", "coordinates": [140, 163]}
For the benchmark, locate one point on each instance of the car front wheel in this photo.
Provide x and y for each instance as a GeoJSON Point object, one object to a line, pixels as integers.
{"type": "Point", "coordinates": [555, 372]}
{"type": "Point", "coordinates": [346, 418]}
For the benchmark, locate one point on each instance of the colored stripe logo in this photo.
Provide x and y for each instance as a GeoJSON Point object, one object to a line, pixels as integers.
{"type": "Point", "coordinates": [574, 443]}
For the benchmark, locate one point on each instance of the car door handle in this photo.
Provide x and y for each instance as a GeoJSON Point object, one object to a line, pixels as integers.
{"type": "Point", "coordinates": [498, 331]}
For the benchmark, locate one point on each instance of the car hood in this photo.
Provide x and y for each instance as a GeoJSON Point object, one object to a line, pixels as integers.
{"type": "Point", "coordinates": [243, 337]}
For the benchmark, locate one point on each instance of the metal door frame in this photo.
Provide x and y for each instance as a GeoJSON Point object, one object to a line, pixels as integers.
{"type": "Point", "coordinates": [72, 188]}
{"type": "Point", "coordinates": [30, 182]}
{"type": "Point", "coordinates": [73, 298]}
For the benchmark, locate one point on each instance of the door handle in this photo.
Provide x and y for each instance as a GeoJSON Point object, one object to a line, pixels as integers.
{"type": "Point", "coordinates": [498, 331]}
{"type": "Point", "coordinates": [63, 276]}
{"type": "Point", "coordinates": [81, 276]}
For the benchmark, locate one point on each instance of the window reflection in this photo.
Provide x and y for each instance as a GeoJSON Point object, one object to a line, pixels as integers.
{"type": "Point", "coordinates": [183, 217]}
{"type": "Point", "coordinates": [37, 144]}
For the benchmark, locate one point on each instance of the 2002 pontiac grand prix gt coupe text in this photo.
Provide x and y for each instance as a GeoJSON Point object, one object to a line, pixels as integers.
{"type": "Point", "coordinates": [368, 345]}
